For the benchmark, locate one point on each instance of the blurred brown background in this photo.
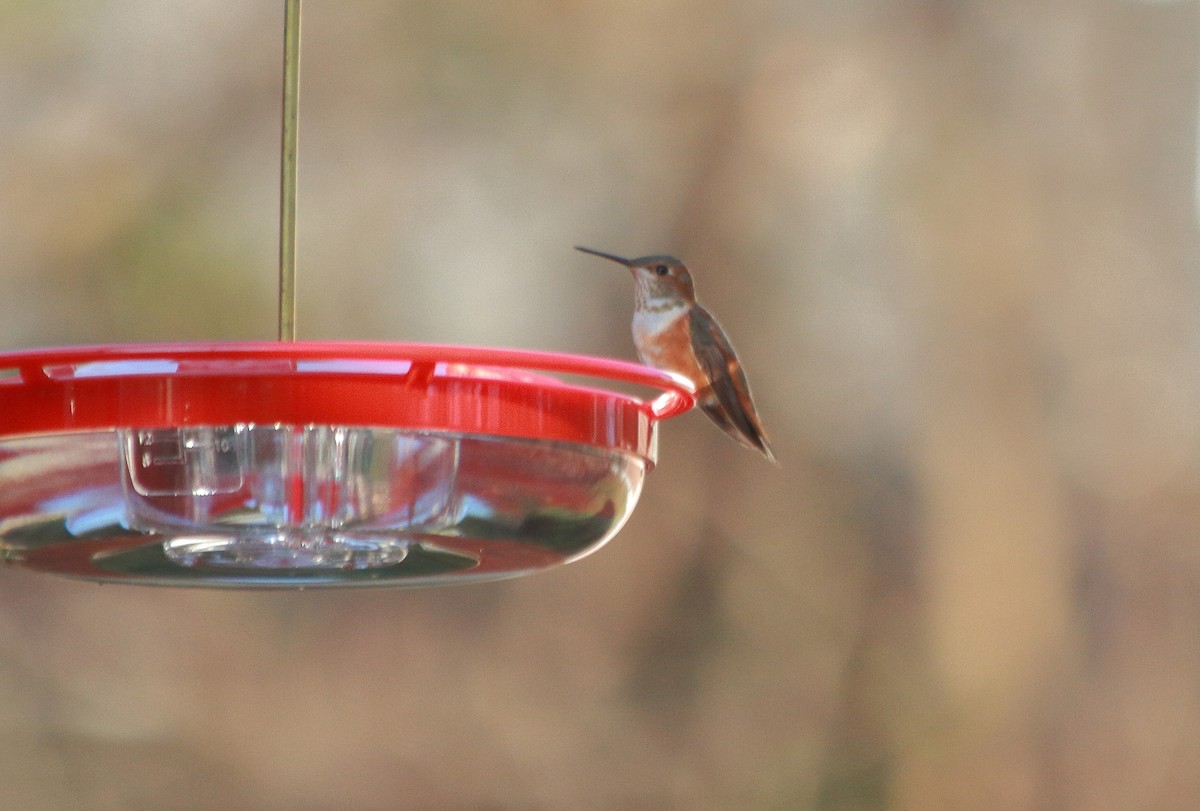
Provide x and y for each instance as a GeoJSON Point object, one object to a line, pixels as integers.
{"type": "Point", "coordinates": [956, 246]}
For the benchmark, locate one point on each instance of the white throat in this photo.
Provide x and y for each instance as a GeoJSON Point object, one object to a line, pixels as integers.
{"type": "Point", "coordinates": [652, 319]}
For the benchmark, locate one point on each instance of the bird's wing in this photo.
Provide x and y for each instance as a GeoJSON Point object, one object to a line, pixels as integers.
{"type": "Point", "coordinates": [728, 400]}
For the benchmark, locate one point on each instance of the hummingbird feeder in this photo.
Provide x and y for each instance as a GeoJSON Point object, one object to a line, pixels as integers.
{"type": "Point", "coordinates": [300, 464]}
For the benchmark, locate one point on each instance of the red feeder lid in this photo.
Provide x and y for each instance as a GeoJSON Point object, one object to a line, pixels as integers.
{"type": "Point", "coordinates": [469, 390]}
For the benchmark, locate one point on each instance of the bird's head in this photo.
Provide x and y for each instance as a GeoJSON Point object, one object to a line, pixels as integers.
{"type": "Point", "coordinates": [660, 278]}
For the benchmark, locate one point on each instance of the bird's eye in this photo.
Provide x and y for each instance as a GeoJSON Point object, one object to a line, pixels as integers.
{"type": "Point", "coordinates": [662, 270]}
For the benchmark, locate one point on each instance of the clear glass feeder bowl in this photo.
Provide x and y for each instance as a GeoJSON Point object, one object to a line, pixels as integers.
{"type": "Point", "coordinates": [297, 465]}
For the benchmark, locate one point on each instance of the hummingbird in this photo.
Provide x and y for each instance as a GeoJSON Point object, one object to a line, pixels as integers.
{"type": "Point", "coordinates": [673, 332]}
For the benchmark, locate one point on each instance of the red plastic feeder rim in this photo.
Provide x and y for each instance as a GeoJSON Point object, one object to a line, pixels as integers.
{"type": "Point", "coordinates": [422, 387]}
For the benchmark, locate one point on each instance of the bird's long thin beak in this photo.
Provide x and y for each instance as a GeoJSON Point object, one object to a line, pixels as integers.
{"type": "Point", "coordinates": [622, 260]}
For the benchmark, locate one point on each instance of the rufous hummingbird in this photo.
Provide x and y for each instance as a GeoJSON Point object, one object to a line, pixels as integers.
{"type": "Point", "coordinates": [671, 331]}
